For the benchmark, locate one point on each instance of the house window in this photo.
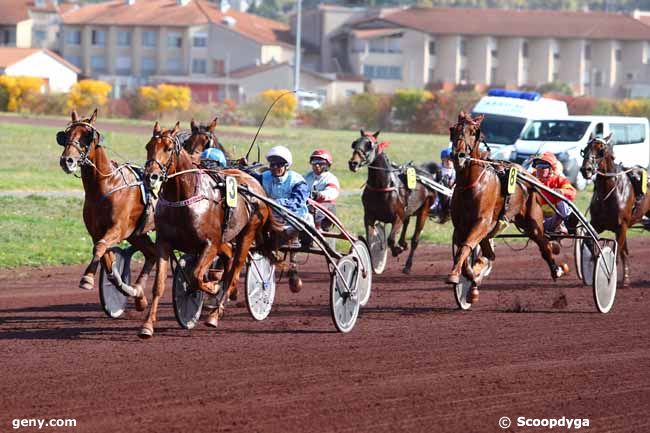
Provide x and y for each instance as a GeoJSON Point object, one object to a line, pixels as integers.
{"type": "Point", "coordinates": [556, 76]}
{"type": "Point", "coordinates": [382, 72]}
{"type": "Point", "coordinates": [432, 48]}
{"type": "Point", "coordinates": [431, 74]}
{"type": "Point", "coordinates": [39, 35]}
{"type": "Point", "coordinates": [494, 53]}
{"type": "Point", "coordinates": [148, 66]}
{"type": "Point", "coordinates": [219, 67]}
{"type": "Point", "coordinates": [619, 54]}
{"type": "Point", "coordinates": [588, 52]}
{"type": "Point", "coordinates": [97, 63]}
{"type": "Point", "coordinates": [393, 45]}
{"type": "Point", "coordinates": [464, 75]}
{"type": "Point", "coordinates": [123, 66]}
{"type": "Point", "coordinates": [174, 40]}
{"type": "Point", "coordinates": [598, 78]}
{"type": "Point", "coordinates": [200, 40]}
{"type": "Point", "coordinates": [98, 38]}
{"type": "Point", "coordinates": [556, 53]}
{"type": "Point", "coordinates": [377, 45]}
{"type": "Point", "coordinates": [463, 47]}
{"type": "Point", "coordinates": [359, 46]}
{"type": "Point", "coordinates": [173, 65]}
{"type": "Point", "coordinates": [199, 66]}
{"type": "Point", "coordinates": [73, 37]}
{"type": "Point", "coordinates": [493, 75]}
{"type": "Point", "coordinates": [124, 38]}
{"type": "Point", "coordinates": [149, 39]}
{"type": "Point", "coordinates": [524, 49]}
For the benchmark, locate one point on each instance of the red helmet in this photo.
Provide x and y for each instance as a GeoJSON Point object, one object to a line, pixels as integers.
{"type": "Point", "coordinates": [321, 154]}
{"type": "Point", "coordinates": [546, 157]}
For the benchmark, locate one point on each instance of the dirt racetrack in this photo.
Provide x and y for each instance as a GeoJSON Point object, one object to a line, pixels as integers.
{"type": "Point", "coordinates": [414, 363]}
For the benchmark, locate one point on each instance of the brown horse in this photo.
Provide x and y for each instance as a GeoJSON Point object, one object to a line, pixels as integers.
{"type": "Point", "coordinates": [386, 197]}
{"type": "Point", "coordinates": [191, 217]}
{"type": "Point", "coordinates": [612, 205]}
{"type": "Point", "coordinates": [478, 203]}
{"type": "Point", "coordinates": [202, 137]}
{"type": "Point", "coordinates": [114, 208]}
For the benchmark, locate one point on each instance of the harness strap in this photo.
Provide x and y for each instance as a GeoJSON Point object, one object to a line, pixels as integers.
{"type": "Point", "coordinates": [182, 203]}
{"type": "Point", "coordinates": [387, 189]}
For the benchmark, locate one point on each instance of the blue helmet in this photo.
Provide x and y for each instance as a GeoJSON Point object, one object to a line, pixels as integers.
{"type": "Point", "coordinates": [445, 153]}
{"type": "Point", "coordinates": [213, 154]}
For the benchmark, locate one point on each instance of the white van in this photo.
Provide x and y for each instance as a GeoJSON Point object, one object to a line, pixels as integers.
{"type": "Point", "coordinates": [508, 112]}
{"type": "Point", "coordinates": [567, 136]}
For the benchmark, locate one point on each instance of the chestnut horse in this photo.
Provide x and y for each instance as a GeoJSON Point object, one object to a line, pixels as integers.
{"type": "Point", "coordinates": [478, 202]}
{"type": "Point", "coordinates": [612, 205]}
{"type": "Point", "coordinates": [202, 137]}
{"type": "Point", "coordinates": [386, 197]}
{"type": "Point", "coordinates": [191, 217]}
{"type": "Point", "coordinates": [113, 209]}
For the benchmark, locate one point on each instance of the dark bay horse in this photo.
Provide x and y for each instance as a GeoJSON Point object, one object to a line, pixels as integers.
{"type": "Point", "coordinates": [113, 209]}
{"type": "Point", "coordinates": [612, 205]}
{"type": "Point", "coordinates": [202, 137]}
{"type": "Point", "coordinates": [478, 202]}
{"type": "Point", "coordinates": [386, 197]}
{"type": "Point", "coordinates": [191, 217]}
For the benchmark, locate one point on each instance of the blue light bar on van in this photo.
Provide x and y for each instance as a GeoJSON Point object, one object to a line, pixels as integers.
{"type": "Point", "coordinates": [530, 96]}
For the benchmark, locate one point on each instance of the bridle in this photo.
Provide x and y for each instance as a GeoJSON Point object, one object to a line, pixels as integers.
{"type": "Point", "coordinates": [203, 131]}
{"type": "Point", "coordinates": [164, 168]}
{"type": "Point", "coordinates": [469, 149]}
{"type": "Point", "coordinates": [593, 158]}
{"type": "Point", "coordinates": [368, 156]}
{"type": "Point", "coordinates": [83, 149]}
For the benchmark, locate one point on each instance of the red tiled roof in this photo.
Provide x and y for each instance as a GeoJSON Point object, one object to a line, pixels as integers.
{"type": "Point", "coordinates": [169, 13]}
{"type": "Point", "coordinates": [12, 55]}
{"type": "Point", "coordinates": [14, 11]}
{"type": "Point", "coordinates": [530, 23]}
{"type": "Point", "coordinates": [374, 33]}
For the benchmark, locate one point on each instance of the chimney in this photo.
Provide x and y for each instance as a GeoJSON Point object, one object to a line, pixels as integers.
{"type": "Point", "coordinates": [183, 2]}
{"type": "Point", "coordinates": [229, 21]}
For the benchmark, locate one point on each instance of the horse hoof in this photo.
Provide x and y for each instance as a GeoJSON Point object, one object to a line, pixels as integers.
{"type": "Point", "coordinates": [212, 322]}
{"type": "Point", "coordinates": [561, 270]}
{"type": "Point", "coordinates": [145, 333]}
{"type": "Point", "coordinates": [295, 284]}
{"type": "Point", "coordinates": [141, 303]}
{"type": "Point", "coordinates": [87, 283]}
{"type": "Point", "coordinates": [452, 279]}
{"type": "Point", "coordinates": [406, 270]}
{"type": "Point", "coordinates": [555, 247]}
{"type": "Point", "coordinates": [233, 296]}
{"type": "Point", "coordinates": [473, 296]}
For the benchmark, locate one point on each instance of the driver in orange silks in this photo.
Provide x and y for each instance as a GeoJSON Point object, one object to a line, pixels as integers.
{"type": "Point", "coordinates": [545, 168]}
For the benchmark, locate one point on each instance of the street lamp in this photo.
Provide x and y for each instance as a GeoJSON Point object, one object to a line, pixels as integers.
{"type": "Point", "coordinates": [296, 73]}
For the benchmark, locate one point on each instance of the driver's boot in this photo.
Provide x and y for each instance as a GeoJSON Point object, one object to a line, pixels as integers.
{"type": "Point", "coordinates": [295, 283]}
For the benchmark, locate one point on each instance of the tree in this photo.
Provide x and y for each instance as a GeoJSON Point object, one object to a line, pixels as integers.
{"type": "Point", "coordinates": [164, 98]}
{"type": "Point", "coordinates": [283, 110]}
{"type": "Point", "coordinates": [88, 94]}
{"type": "Point", "coordinates": [407, 102]}
{"type": "Point", "coordinates": [556, 87]}
{"type": "Point", "coordinates": [20, 91]}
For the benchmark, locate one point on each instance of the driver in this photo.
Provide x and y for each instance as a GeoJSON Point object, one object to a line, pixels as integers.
{"type": "Point", "coordinates": [213, 159]}
{"type": "Point", "coordinates": [324, 186]}
{"type": "Point", "coordinates": [545, 166]}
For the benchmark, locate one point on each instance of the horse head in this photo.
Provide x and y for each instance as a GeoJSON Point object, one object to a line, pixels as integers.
{"type": "Point", "coordinates": [597, 154]}
{"type": "Point", "coordinates": [364, 150]}
{"type": "Point", "coordinates": [465, 137]}
{"type": "Point", "coordinates": [202, 138]}
{"type": "Point", "coordinates": [79, 141]}
{"type": "Point", "coordinates": [163, 150]}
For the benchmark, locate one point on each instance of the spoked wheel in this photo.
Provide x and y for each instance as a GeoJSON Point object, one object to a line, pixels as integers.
{"type": "Point", "coordinates": [577, 251]}
{"type": "Point", "coordinates": [344, 303]}
{"type": "Point", "coordinates": [260, 286]}
{"type": "Point", "coordinates": [378, 247]}
{"type": "Point", "coordinates": [587, 261]}
{"type": "Point", "coordinates": [462, 289]}
{"type": "Point", "coordinates": [112, 299]}
{"type": "Point", "coordinates": [188, 300]}
{"type": "Point", "coordinates": [604, 280]}
{"type": "Point", "coordinates": [360, 250]}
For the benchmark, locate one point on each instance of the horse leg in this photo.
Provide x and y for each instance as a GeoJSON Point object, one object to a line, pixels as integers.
{"type": "Point", "coordinates": [535, 232]}
{"type": "Point", "coordinates": [397, 225]}
{"type": "Point", "coordinates": [109, 239]}
{"type": "Point", "coordinates": [147, 247]}
{"type": "Point", "coordinates": [621, 239]}
{"type": "Point", "coordinates": [231, 275]}
{"type": "Point", "coordinates": [163, 251]}
{"type": "Point", "coordinates": [415, 240]}
{"type": "Point", "coordinates": [480, 230]}
{"type": "Point", "coordinates": [402, 237]}
{"type": "Point", "coordinates": [202, 265]}
{"type": "Point", "coordinates": [295, 282]}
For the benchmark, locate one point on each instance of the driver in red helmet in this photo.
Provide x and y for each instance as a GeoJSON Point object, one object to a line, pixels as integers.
{"type": "Point", "coordinates": [545, 170]}
{"type": "Point", "coordinates": [322, 183]}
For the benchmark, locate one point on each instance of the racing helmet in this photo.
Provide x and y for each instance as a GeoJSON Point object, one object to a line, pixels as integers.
{"type": "Point", "coordinates": [280, 152]}
{"type": "Point", "coordinates": [546, 158]}
{"type": "Point", "coordinates": [215, 155]}
{"type": "Point", "coordinates": [321, 154]}
{"type": "Point", "coordinates": [445, 153]}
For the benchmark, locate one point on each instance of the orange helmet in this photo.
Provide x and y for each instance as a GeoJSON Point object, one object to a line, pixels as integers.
{"type": "Point", "coordinates": [321, 154]}
{"type": "Point", "coordinates": [547, 157]}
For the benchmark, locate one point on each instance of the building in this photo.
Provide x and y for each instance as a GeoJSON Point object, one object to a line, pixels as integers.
{"type": "Point", "coordinates": [31, 23]}
{"type": "Point", "coordinates": [596, 53]}
{"type": "Point", "coordinates": [191, 42]}
{"type": "Point", "coordinates": [58, 75]}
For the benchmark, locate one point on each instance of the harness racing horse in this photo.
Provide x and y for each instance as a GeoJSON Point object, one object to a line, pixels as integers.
{"type": "Point", "coordinates": [612, 205]}
{"type": "Point", "coordinates": [113, 209]}
{"type": "Point", "coordinates": [386, 197]}
{"type": "Point", "coordinates": [191, 216]}
{"type": "Point", "coordinates": [202, 137]}
{"type": "Point", "coordinates": [477, 204]}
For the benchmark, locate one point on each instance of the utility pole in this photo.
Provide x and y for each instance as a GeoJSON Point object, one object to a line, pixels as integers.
{"type": "Point", "coordinates": [296, 73]}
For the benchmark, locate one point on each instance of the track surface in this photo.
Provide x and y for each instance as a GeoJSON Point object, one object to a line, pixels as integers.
{"type": "Point", "coordinates": [413, 363]}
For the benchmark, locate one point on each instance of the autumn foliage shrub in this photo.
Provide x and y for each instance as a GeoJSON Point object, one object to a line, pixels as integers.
{"type": "Point", "coordinates": [86, 95]}
{"type": "Point", "coordinates": [20, 92]}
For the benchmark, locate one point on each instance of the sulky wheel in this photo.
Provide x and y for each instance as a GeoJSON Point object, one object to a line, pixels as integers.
{"type": "Point", "coordinates": [461, 290]}
{"type": "Point", "coordinates": [112, 299]}
{"type": "Point", "coordinates": [344, 302]}
{"type": "Point", "coordinates": [360, 250]}
{"type": "Point", "coordinates": [188, 301]}
{"type": "Point", "coordinates": [378, 247]}
{"type": "Point", "coordinates": [260, 286]}
{"type": "Point", "coordinates": [604, 280]}
{"type": "Point", "coordinates": [587, 261]}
